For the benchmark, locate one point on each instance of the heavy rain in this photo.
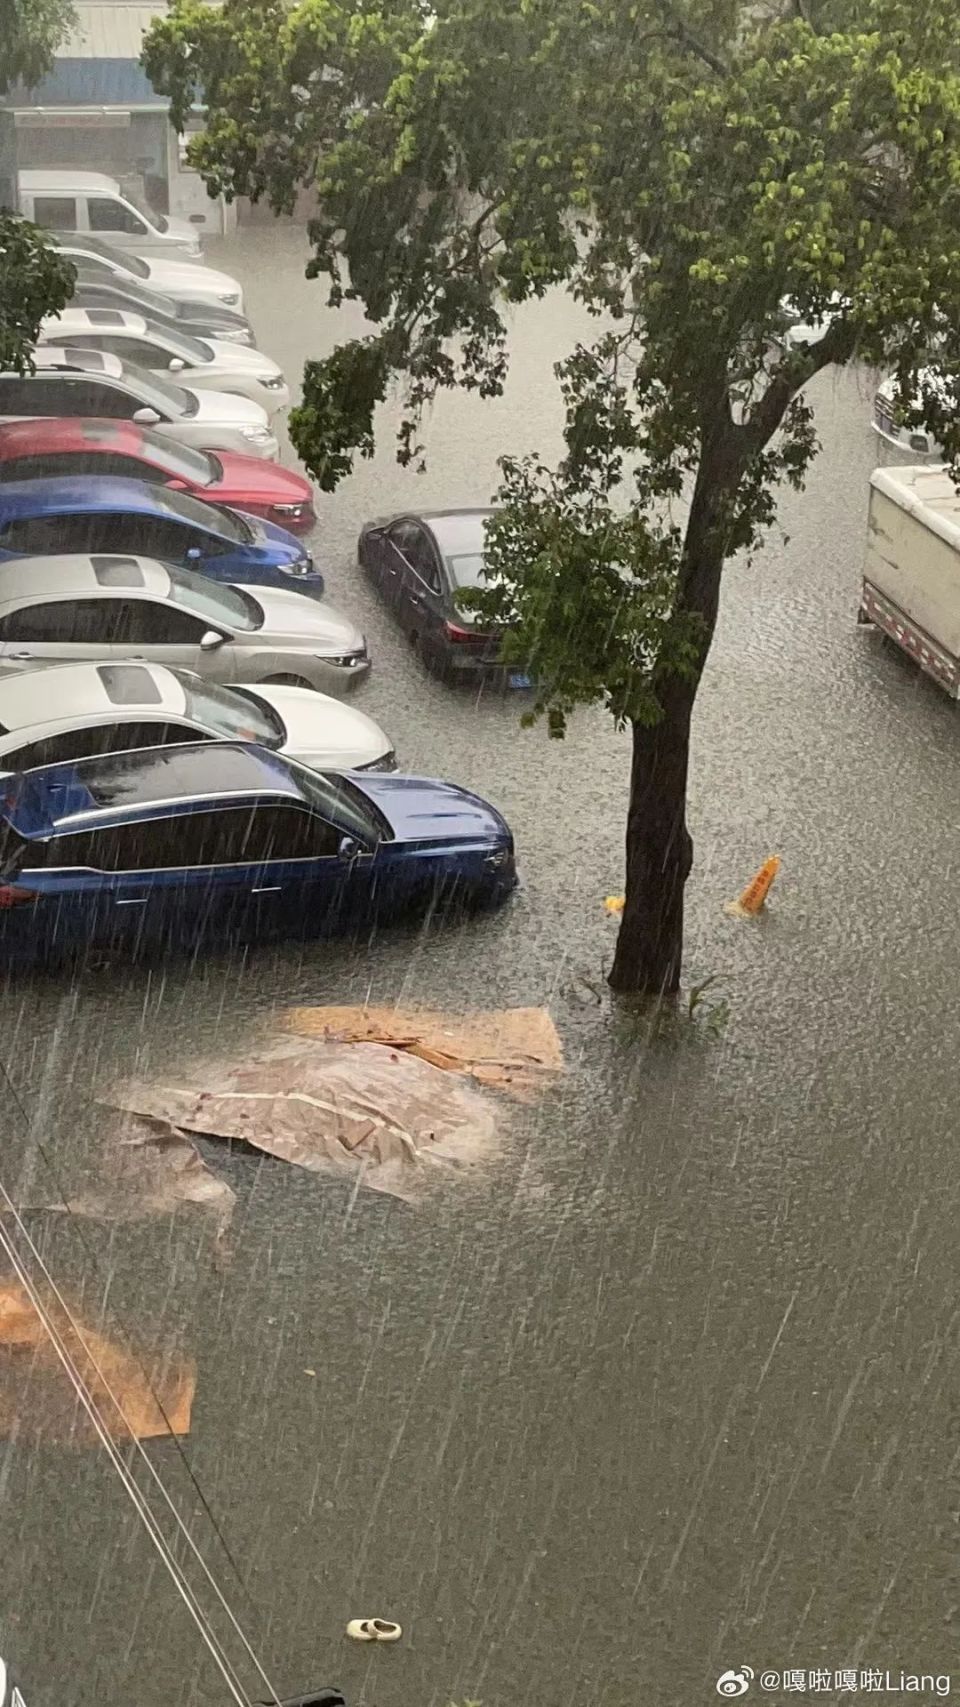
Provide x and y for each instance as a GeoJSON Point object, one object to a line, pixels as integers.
{"type": "Point", "coordinates": [665, 1386]}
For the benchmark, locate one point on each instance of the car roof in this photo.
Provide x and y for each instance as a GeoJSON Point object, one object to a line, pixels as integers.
{"type": "Point", "coordinates": [150, 782]}
{"type": "Point", "coordinates": [72, 574]}
{"type": "Point", "coordinates": [48, 433]}
{"type": "Point", "coordinates": [457, 531]}
{"type": "Point", "coordinates": [56, 494]}
{"type": "Point", "coordinates": [88, 361]}
{"type": "Point", "coordinates": [68, 691]}
{"type": "Point", "coordinates": [96, 320]}
{"type": "Point", "coordinates": [67, 178]}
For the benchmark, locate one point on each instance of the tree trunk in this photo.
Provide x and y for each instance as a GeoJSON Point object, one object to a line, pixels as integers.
{"type": "Point", "coordinates": [659, 849]}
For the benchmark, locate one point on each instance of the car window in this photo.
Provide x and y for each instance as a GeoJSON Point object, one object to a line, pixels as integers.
{"type": "Point", "coordinates": [117, 736]}
{"type": "Point", "coordinates": [290, 832]}
{"type": "Point", "coordinates": [128, 349]}
{"type": "Point", "coordinates": [17, 396]}
{"type": "Point", "coordinates": [141, 535]}
{"type": "Point", "coordinates": [86, 396]}
{"type": "Point", "coordinates": [403, 536]}
{"type": "Point", "coordinates": [54, 462]}
{"type": "Point", "coordinates": [413, 544]}
{"type": "Point", "coordinates": [107, 214]}
{"type": "Point", "coordinates": [41, 534]}
{"type": "Point", "coordinates": [55, 213]}
{"type": "Point", "coordinates": [234, 836]}
{"type": "Point", "coordinates": [158, 623]}
{"type": "Point", "coordinates": [79, 622]}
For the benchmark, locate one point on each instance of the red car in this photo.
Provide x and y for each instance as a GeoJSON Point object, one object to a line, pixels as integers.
{"type": "Point", "coordinates": [31, 450]}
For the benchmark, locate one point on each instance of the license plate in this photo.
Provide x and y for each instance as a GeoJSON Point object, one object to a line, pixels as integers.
{"type": "Point", "coordinates": [519, 681]}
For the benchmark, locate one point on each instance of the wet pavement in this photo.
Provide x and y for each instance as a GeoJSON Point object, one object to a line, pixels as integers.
{"type": "Point", "coordinates": [672, 1392]}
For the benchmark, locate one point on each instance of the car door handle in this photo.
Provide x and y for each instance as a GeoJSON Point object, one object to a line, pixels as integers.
{"type": "Point", "coordinates": [19, 657]}
{"type": "Point", "coordinates": [268, 889]}
{"type": "Point", "coordinates": [132, 901]}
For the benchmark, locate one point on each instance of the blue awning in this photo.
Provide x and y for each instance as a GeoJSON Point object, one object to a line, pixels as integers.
{"type": "Point", "coordinates": [90, 83]}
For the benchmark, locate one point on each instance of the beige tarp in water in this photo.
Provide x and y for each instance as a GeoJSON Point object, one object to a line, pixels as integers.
{"type": "Point", "coordinates": [145, 1168]}
{"type": "Point", "coordinates": [330, 1107]}
{"type": "Point", "coordinates": [38, 1402]}
{"type": "Point", "coordinates": [510, 1049]}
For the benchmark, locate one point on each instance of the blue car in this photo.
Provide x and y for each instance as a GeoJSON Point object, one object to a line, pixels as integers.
{"type": "Point", "coordinates": [202, 846]}
{"type": "Point", "coordinates": [101, 513]}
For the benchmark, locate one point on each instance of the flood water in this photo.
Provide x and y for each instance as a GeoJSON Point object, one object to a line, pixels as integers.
{"type": "Point", "coordinates": [674, 1390]}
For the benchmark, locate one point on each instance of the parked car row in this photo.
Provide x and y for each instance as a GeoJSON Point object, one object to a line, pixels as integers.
{"type": "Point", "coordinates": [176, 772]}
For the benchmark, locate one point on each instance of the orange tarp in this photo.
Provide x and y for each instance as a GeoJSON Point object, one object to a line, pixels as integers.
{"type": "Point", "coordinates": [509, 1049]}
{"type": "Point", "coordinates": [37, 1399]}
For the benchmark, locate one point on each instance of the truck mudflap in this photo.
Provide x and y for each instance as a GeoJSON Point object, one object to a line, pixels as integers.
{"type": "Point", "coordinates": [933, 660]}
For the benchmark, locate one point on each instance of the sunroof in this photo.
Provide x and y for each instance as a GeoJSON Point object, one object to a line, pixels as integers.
{"type": "Point", "coordinates": [129, 684]}
{"type": "Point", "coordinates": [118, 571]}
{"type": "Point", "coordinates": [104, 317]}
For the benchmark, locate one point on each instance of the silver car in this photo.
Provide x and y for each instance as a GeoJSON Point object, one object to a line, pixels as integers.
{"type": "Point", "coordinates": [185, 281]}
{"type": "Point", "coordinates": [72, 711]}
{"type": "Point", "coordinates": [89, 383]}
{"type": "Point", "coordinates": [203, 364]}
{"type": "Point", "coordinates": [107, 608]}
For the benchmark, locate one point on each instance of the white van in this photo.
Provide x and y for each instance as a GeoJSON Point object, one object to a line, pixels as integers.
{"type": "Point", "coordinates": [66, 201]}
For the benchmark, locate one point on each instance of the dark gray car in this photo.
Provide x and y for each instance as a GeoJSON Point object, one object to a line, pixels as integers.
{"type": "Point", "coordinates": [199, 319]}
{"type": "Point", "coordinates": [420, 563]}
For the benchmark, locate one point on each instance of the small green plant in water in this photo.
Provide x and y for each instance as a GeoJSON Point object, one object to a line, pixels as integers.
{"type": "Point", "coordinates": [711, 1011]}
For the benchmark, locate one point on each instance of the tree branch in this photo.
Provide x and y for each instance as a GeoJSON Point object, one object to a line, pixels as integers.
{"type": "Point", "coordinates": [681, 33]}
{"type": "Point", "coordinates": [836, 345]}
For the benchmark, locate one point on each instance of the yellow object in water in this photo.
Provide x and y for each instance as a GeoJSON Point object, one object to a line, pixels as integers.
{"type": "Point", "coordinates": [753, 897]}
{"type": "Point", "coordinates": [614, 903]}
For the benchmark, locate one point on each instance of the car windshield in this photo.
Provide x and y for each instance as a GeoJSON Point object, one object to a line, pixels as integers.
{"type": "Point", "coordinates": [232, 713]}
{"type": "Point", "coordinates": [143, 207]}
{"type": "Point", "coordinates": [213, 518]}
{"type": "Point", "coordinates": [216, 603]}
{"type": "Point", "coordinates": [159, 394]}
{"type": "Point", "coordinates": [338, 799]}
{"type": "Point", "coordinates": [182, 462]}
{"type": "Point", "coordinates": [191, 350]}
{"type": "Point", "coordinates": [125, 263]}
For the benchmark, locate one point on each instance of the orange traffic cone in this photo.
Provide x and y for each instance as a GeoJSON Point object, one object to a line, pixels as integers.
{"type": "Point", "coordinates": [751, 902]}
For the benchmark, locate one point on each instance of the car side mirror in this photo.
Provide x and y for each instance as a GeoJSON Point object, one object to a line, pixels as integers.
{"type": "Point", "coordinates": [176, 485]}
{"type": "Point", "coordinates": [349, 849]}
{"type": "Point", "coordinates": [146, 417]}
{"type": "Point", "coordinates": [177, 364]}
{"type": "Point", "coordinates": [211, 640]}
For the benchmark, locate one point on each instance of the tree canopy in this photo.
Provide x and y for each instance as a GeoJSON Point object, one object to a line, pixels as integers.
{"type": "Point", "coordinates": [30, 33]}
{"type": "Point", "coordinates": [35, 280]}
{"type": "Point", "coordinates": [686, 168]}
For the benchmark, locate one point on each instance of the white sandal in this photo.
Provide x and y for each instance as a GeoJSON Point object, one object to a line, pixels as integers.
{"type": "Point", "coordinates": [373, 1630]}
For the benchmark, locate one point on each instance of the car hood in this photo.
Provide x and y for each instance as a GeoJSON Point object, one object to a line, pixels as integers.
{"type": "Point", "coordinates": [184, 275]}
{"type": "Point", "coordinates": [295, 619]}
{"type": "Point", "coordinates": [251, 480]}
{"type": "Point", "coordinates": [419, 809]}
{"type": "Point", "coordinates": [323, 731]}
{"type": "Point", "coordinates": [239, 358]}
{"type": "Point", "coordinates": [226, 408]}
{"type": "Point", "coordinates": [180, 230]}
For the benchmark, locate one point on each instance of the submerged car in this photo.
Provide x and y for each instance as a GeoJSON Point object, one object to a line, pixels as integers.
{"type": "Point", "coordinates": [73, 711]}
{"type": "Point", "coordinates": [88, 383]}
{"type": "Point", "coordinates": [198, 318]}
{"type": "Point", "coordinates": [888, 423]}
{"type": "Point", "coordinates": [420, 563]}
{"type": "Point", "coordinates": [202, 363]}
{"type": "Point", "coordinates": [186, 281]}
{"type": "Point", "coordinates": [204, 846]}
{"type": "Point", "coordinates": [103, 514]}
{"type": "Point", "coordinates": [35, 450]}
{"type": "Point", "coordinates": [66, 610]}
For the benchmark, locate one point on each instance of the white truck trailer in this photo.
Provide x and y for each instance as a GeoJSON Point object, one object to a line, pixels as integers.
{"type": "Point", "coordinates": [911, 577]}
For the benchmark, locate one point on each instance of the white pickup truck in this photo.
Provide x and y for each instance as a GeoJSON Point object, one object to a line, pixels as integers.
{"type": "Point", "coordinates": [911, 577]}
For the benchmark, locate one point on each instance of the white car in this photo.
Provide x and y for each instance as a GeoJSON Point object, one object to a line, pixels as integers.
{"type": "Point", "coordinates": [886, 423]}
{"type": "Point", "coordinates": [203, 363]}
{"type": "Point", "coordinates": [84, 382]}
{"type": "Point", "coordinates": [74, 710]}
{"type": "Point", "coordinates": [184, 281]}
{"type": "Point", "coordinates": [800, 331]}
{"type": "Point", "coordinates": [110, 609]}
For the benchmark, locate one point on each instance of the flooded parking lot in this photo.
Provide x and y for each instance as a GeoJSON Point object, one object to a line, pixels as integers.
{"type": "Point", "coordinates": [668, 1393]}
